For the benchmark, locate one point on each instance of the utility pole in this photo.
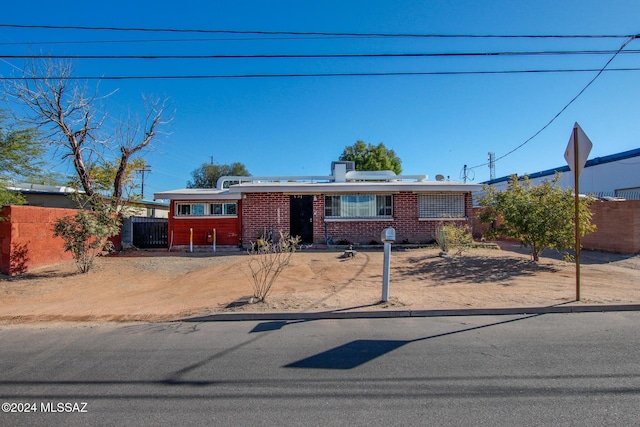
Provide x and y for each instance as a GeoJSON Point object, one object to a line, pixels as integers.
{"type": "Point", "coordinates": [464, 174]}
{"type": "Point", "coordinates": [142, 171]}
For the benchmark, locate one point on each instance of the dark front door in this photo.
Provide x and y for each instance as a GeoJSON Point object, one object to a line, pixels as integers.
{"type": "Point", "coordinates": [301, 215]}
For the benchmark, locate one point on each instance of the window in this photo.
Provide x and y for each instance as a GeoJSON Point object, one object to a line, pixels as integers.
{"type": "Point", "coordinates": [441, 206]}
{"type": "Point", "coordinates": [206, 209]}
{"type": "Point", "coordinates": [190, 209]}
{"type": "Point", "coordinates": [358, 206]}
{"type": "Point", "coordinates": [223, 209]}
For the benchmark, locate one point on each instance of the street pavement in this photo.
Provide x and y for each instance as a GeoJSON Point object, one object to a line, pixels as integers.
{"type": "Point", "coordinates": [495, 370]}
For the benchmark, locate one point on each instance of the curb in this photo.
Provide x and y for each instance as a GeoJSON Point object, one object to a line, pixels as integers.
{"type": "Point", "coordinates": [382, 314]}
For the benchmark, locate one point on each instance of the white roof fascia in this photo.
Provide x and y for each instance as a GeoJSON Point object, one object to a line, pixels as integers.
{"type": "Point", "coordinates": [254, 179]}
{"type": "Point", "coordinates": [354, 187]}
{"type": "Point", "coordinates": [197, 194]}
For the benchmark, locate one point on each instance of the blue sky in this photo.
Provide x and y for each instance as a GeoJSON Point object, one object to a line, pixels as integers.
{"type": "Point", "coordinates": [297, 126]}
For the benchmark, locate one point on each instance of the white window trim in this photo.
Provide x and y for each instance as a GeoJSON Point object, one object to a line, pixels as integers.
{"type": "Point", "coordinates": [358, 219]}
{"type": "Point", "coordinates": [207, 208]}
{"type": "Point", "coordinates": [337, 218]}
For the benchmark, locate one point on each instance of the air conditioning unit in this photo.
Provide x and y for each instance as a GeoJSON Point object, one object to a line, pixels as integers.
{"type": "Point", "coordinates": [349, 164]}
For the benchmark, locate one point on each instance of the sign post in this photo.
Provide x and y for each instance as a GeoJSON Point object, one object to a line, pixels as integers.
{"type": "Point", "coordinates": [576, 155]}
{"type": "Point", "coordinates": [388, 236]}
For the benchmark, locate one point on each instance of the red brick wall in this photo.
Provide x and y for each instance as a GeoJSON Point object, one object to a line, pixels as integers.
{"type": "Point", "coordinates": [265, 211]}
{"type": "Point", "coordinates": [262, 211]}
{"type": "Point", "coordinates": [26, 239]}
{"type": "Point", "coordinates": [227, 229]}
{"type": "Point", "coordinates": [618, 227]}
{"type": "Point", "coordinates": [409, 229]}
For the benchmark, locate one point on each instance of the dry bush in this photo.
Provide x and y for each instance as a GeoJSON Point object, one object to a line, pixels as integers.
{"type": "Point", "coordinates": [266, 262]}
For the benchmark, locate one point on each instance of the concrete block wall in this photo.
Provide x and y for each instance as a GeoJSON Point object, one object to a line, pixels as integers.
{"type": "Point", "coordinates": [618, 227]}
{"type": "Point", "coordinates": [26, 238]}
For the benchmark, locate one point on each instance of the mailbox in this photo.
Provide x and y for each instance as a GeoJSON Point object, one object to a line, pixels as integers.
{"type": "Point", "coordinates": [388, 235]}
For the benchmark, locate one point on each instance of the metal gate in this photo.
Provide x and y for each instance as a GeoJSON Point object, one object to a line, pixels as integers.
{"type": "Point", "coordinates": [150, 232]}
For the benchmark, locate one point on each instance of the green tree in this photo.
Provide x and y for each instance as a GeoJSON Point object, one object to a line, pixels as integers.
{"type": "Point", "coordinates": [206, 176]}
{"type": "Point", "coordinates": [540, 217]}
{"type": "Point", "coordinates": [368, 157]}
{"type": "Point", "coordinates": [20, 157]}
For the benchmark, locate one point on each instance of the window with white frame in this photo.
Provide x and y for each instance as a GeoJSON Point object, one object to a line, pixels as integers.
{"type": "Point", "coordinates": [441, 205]}
{"type": "Point", "coordinates": [223, 209]}
{"type": "Point", "coordinates": [206, 209]}
{"type": "Point", "coordinates": [358, 206]}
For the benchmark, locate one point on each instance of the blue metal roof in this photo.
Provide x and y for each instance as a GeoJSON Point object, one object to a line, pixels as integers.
{"type": "Point", "coordinates": [593, 162]}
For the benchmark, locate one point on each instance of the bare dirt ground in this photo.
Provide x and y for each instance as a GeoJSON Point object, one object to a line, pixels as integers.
{"type": "Point", "coordinates": [159, 286]}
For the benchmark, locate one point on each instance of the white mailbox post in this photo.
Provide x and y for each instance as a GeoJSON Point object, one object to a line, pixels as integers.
{"type": "Point", "coordinates": [388, 236]}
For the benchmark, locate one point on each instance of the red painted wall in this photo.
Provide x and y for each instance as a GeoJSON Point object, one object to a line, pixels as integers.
{"type": "Point", "coordinates": [26, 239]}
{"type": "Point", "coordinates": [227, 229]}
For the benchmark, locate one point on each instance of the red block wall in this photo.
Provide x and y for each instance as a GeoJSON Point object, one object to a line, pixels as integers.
{"type": "Point", "coordinates": [26, 239]}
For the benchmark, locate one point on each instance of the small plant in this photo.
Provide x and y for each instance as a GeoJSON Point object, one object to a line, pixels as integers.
{"type": "Point", "coordinates": [267, 260]}
{"type": "Point", "coordinates": [450, 236]}
{"type": "Point", "coordinates": [85, 234]}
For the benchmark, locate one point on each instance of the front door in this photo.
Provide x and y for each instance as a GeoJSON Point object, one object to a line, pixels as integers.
{"type": "Point", "coordinates": [301, 214]}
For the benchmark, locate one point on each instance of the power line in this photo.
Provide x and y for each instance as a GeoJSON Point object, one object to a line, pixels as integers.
{"type": "Point", "coordinates": [313, 33]}
{"type": "Point", "coordinates": [294, 75]}
{"type": "Point", "coordinates": [181, 40]}
{"type": "Point", "coordinates": [562, 110]}
{"type": "Point", "coordinates": [327, 55]}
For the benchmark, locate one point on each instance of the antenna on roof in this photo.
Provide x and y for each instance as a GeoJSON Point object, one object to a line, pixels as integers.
{"type": "Point", "coordinates": [439, 177]}
{"type": "Point", "coordinates": [491, 156]}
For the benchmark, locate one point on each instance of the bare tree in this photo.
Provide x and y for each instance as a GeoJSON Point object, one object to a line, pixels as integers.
{"type": "Point", "coordinates": [72, 116]}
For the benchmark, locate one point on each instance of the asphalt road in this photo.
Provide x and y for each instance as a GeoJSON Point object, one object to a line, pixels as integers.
{"type": "Point", "coordinates": [551, 369]}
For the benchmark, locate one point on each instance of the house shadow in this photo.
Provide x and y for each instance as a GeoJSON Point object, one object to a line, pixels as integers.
{"type": "Point", "coordinates": [358, 352]}
{"type": "Point", "coordinates": [476, 269]}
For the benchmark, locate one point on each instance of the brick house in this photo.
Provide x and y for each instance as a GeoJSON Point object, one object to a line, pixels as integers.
{"type": "Point", "coordinates": [347, 206]}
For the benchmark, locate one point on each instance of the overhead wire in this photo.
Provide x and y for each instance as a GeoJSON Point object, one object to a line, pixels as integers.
{"type": "Point", "coordinates": [628, 39]}
{"type": "Point", "coordinates": [300, 75]}
{"type": "Point", "coordinates": [563, 109]}
{"type": "Point", "coordinates": [325, 55]}
{"type": "Point", "coordinates": [312, 33]}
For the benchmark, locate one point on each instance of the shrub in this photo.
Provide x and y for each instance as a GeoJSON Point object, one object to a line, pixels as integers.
{"type": "Point", "coordinates": [266, 262]}
{"type": "Point", "coordinates": [453, 236]}
{"type": "Point", "coordinates": [85, 234]}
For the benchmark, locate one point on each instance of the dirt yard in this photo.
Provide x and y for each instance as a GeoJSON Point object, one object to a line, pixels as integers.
{"type": "Point", "coordinates": [156, 286]}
